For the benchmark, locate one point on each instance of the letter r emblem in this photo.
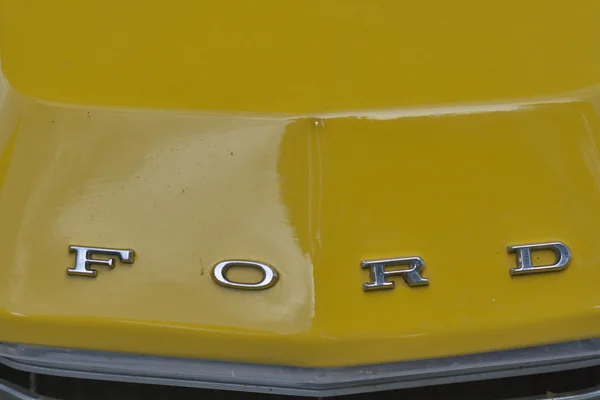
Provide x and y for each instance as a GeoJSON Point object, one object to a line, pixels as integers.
{"type": "Point", "coordinates": [379, 272]}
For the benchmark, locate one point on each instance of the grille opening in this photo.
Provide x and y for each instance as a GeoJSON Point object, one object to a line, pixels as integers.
{"type": "Point", "coordinates": [493, 389]}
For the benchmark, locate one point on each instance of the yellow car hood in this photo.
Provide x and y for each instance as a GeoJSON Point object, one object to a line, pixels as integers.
{"type": "Point", "coordinates": [310, 136]}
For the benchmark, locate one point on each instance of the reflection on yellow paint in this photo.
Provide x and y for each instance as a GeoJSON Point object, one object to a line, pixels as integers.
{"type": "Point", "coordinates": [313, 197]}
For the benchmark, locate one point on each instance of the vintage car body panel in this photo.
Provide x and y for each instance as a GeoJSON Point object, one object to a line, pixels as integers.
{"type": "Point", "coordinates": [309, 136]}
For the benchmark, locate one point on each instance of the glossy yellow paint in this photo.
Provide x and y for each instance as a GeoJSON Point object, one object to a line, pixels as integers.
{"type": "Point", "coordinates": [315, 135]}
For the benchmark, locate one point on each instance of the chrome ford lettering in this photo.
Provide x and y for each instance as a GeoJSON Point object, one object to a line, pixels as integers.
{"type": "Point", "coordinates": [377, 268]}
{"type": "Point", "coordinates": [83, 259]}
{"type": "Point", "coordinates": [219, 275]}
{"type": "Point", "coordinates": [525, 264]}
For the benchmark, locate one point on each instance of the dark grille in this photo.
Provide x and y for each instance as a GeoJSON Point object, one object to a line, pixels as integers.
{"type": "Point", "coordinates": [495, 389]}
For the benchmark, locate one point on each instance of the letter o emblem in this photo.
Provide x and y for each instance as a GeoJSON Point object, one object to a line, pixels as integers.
{"type": "Point", "coordinates": [270, 275]}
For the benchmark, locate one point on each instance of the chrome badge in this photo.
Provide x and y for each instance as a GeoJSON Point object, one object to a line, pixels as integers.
{"type": "Point", "coordinates": [270, 275]}
{"type": "Point", "coordinates": [377, 268]}
{"type": "Point", "coordinates": [83, 259]}
{"type": "Point", "coordinates": [380, 271]}
{"type": "Point", "coordinates": [525, 265]}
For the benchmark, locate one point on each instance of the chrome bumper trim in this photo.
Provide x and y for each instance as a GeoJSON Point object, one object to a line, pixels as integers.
{"type": "Point", "coordinates": [590, 394]}
{"type": "Point", "coordinates": [8, 391]}
{"type": "Point", "coordinates": [224, 375]}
